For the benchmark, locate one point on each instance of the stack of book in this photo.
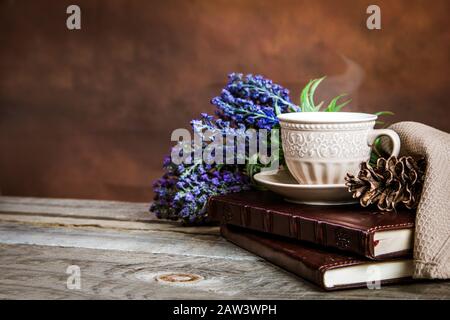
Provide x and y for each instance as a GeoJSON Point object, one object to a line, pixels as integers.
{"type": "Point", "coordinates": [333, 246]}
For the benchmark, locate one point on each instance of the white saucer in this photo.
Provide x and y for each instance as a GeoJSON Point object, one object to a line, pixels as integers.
{"type": "Point", "coordinates": [282, 183]}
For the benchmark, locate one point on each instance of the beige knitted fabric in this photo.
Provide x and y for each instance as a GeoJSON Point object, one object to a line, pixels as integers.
{"type": "Point", "coordinates": [432, 233]}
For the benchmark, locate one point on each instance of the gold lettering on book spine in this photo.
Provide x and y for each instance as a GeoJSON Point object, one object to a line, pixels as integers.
{"type": "Point", "coordinates": [343, 239]}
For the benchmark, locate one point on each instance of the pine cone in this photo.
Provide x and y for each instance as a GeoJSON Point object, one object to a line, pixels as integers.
{"type": "Point", "coordinates": [389, 183]}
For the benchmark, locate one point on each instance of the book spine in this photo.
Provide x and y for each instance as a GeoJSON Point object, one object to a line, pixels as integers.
{"type": "Point", "coordinates": [279, 258]}
{"type": "Point", "coordinates": [295, 227]}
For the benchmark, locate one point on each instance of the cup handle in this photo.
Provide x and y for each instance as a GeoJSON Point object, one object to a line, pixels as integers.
{"type": "Point", "coordinates": [386, 132]}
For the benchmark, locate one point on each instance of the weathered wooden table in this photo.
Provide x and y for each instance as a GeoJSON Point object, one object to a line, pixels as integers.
{"type": "Point", "coordinates": [123, 252]}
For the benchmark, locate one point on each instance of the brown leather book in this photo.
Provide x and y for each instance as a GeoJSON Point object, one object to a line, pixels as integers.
{"type": "Point", "coordinates": [364, 231]}
{"type": "Point", "coordinates": [329, 269]}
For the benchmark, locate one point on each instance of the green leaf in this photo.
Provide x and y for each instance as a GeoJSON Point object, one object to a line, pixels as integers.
{"type": "Point", "coordinates": [317, 108]}
{"type": "Point", "coordinates": [307, 99]}
{"type": "Point", "coordinates": [304, 101]}
{"type": "Point", "coordinates": [312, 91]}
{"type": "Point", "coordinates": [333, 107]}
{"type": "Point", "coordinates": [384, 113]}
{"type": "Point", "coordinates": [277, 108]}
{"type": "Point", "coordinates": [340, 106]}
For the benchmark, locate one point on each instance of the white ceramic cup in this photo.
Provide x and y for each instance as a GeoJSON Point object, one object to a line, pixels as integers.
{"type": "Point", "coordinates": [322, 147]}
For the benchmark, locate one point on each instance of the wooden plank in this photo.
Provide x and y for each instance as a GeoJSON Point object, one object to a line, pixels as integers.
{"type": "Point", "coordinates": [164, 241]}
{"type": "Point", "coordinates": [52, 221]}
{"type": "Point", "coordinates": [38, 272]}
{"type": "Point", "coordinates": [90, 213]}
{"type": "Point", "coordinates": [99, 209]}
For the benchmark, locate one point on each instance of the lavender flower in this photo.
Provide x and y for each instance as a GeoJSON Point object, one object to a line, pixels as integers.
{"type": "Point", "coordinates": [183, 191]}
{"type": "Point", "coordinates": [186, 196]}
{"type": "Point", "coordinates": [246, 102]}
{"type": "Point", "coordinates": [253, 101]}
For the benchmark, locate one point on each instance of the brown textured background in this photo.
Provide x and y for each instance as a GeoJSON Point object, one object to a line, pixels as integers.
{"type": "Point", "coordinates": [88, 114]}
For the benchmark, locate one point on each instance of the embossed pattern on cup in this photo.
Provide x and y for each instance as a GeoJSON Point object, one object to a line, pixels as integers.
{"type": "Point", "coordinates": [322, 147]}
